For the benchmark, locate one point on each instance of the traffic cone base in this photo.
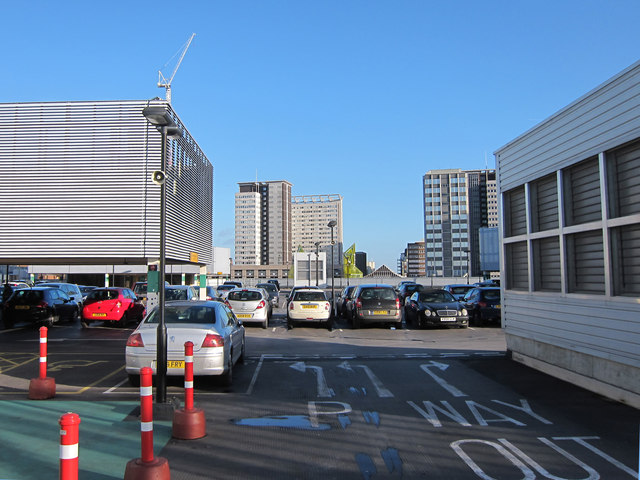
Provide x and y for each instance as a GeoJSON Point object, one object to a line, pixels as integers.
{"type": "Point", "coordinates": [189, 424]}
{"type": "Point", "coordinates": [42, 388]}
{"type": "Point", "coordinates": [157, 469]}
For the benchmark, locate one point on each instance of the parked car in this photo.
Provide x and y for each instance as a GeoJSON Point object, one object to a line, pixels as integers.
{"type": "Point", "coordinates": [217, 336]}
{"type": "Point", "coordinates": [235, 283]}
{"type": "Point", "coordinates": [180, 292]}
{"type": "Point", "coordinates": [140, 289]}
{"type": "Point", "coordinates": [9, 288]}
{"type": "Point", "coordinates": [40, 305]}
{"type": "Point", "coordinates": [435, 307]}
{"type": "Point", "coordinates": [272, 291]}
{"type": "Point", "coordinates": [343, 298]}
{"type": "Point", "coordinates": [112, 304]}
{"type": "Point", "coordinates": [458, 290]}
{"type": "Point", "coordinates": [491, 282]}
{"type": "Point", "coordinates": [375, 303]}
{"type": "Point", "coordinates": [309, 305]}
{"type": "Point", "coordinates": [250, 305]}
{"type": "Point", "coordinates": [275, 282]}
{"type": "Point", "coordinates": [483, 304]}
{"type": "Point", "coordinates": [71, 289]}
{"type": "Point", "coordinates": [405, 290]}
{"type": "Point", "coordinates": [224, 289]}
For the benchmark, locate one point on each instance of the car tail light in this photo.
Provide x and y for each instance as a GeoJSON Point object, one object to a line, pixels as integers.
{"type": "Point", "coordinates": [482, 304]}
{"type": "Point", "coordinates": [209, 298]}
{"type": "Point", "coordinates": [358, 303]}
{"type": "Point", "coordinates": [42, 305]}
{"type": "Point", "coordinates": [291, 306]}
{"type": "Point", "coordinates": [326, 306]}
{"type": "Point", "coordinates": [397, 304]}
{"type": "Point", "coordinates": [261, 305]}
{"type": "Point", "coordinates": [213, 340]}
{"type": "Point", "coordinates": [135, 340]}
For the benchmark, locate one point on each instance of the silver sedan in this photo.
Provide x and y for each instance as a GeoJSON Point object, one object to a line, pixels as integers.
{"type": "Point", "coordinates": [217, 335]}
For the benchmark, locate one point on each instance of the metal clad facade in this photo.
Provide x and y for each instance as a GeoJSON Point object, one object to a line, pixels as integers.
{"type": "Point", "coordinates": [569, 306]}
{"type": "Point", "coordinates": [75, 186]}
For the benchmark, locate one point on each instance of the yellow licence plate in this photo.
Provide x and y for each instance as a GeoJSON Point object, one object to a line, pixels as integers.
{"type": "Point", "coordinates": [98, 314]}
{"type": "Point", "coordinates": [22, 307]}
{"type": "Point", "coordinates": [243, 315]}
{"type": "Point", "coordinates": [175, 363]}
{"type": "Point", "coordinates": [309, 306]}
{"type": "Point", "coordinates": [381, 312]}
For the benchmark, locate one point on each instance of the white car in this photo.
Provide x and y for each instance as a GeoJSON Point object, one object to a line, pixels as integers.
{"type": "Point", "coordinates": [217, 336]}
{"type": "Point", "coordinates": [250, 305]}
{"type": "Point", "coordinates": [309, 305]}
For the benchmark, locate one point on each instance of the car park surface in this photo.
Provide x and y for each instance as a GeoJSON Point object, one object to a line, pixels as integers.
{"type": "Point", "coordinates": [443, 404]}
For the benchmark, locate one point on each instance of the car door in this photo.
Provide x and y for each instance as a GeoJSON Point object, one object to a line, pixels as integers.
{"type": "Point", "coordinates": [232, 325]}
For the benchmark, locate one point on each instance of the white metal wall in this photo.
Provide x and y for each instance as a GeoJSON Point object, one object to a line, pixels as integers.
{"type": "Point", "coordinates": [75, 186]}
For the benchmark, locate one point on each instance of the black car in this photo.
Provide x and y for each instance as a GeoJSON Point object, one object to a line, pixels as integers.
{"type": "Point", "coordinates": [405, 290]}
{"type": "Point", "coordinates": [435, 307]}
{"type": "Point", "coordinates": [483, 304]}
{"type": "Point", "coordinates": [275, 282]}
{"type": "Point", "coordinates": [40, 305]}
{"type": "Point", "coordinates": [342, 300]}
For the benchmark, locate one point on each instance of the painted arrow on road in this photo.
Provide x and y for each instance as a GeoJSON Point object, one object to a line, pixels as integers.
{"type": "Point", "coordinates": [382, 391]}
{"type": "Point", "coordinates": [323, 388]}
{"type": "Point", "coordinates": [426, 367]}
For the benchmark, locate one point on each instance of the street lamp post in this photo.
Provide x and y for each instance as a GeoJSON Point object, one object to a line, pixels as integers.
{"type": "Point", "coordinates": [317, 244]}
{"type": "Point", "coordinates": [331, 225]}
{"type": "Point", "coordinates": [160, 118]}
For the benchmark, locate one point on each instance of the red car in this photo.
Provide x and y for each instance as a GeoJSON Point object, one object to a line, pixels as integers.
{"type": "Point", "coordinates": [113, 304]}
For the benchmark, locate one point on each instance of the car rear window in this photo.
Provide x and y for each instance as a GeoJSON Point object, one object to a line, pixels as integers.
{"type": "Point", "coordinates": [28, 296]}
{"type": "Point", "coordinates": [436, 297]}
{"type": "Point", "coordinates": [309, 297]}
{"type": "Point", "coordinates": [244, 296]}
{"type": "Point", "coordinates": [460, 290]}
{"type": "Point", "coordinates": [175, 294]}
{"type": "Point", "coordinates": [140, 288]}
{"type": "Point", "coordinates": [491, 294]}
{"type": "Point", "coordinates": [378, 294]}
{"type": "Point", "coordinates": [101, 295]}
{"type": "Point", "coordinates": [185, 314]}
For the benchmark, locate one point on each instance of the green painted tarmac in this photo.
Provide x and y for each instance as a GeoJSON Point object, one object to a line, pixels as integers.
{"type": "Point", "coordinates": [30, 438]}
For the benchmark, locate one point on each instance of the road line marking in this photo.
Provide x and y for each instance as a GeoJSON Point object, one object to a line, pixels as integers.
{"type": "Point", "coordinates": [255, 376]}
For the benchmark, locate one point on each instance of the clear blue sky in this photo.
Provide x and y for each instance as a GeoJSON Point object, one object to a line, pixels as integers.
{"type": "Point", "coordinates": [355, 97]}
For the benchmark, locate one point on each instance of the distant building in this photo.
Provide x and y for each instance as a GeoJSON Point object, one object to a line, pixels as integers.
{"type": "Point", "coordinates": [361, 263]}
{"type": "Point", "coordinates": [456, 204]}
{"type": "Point", "coordinates": [414, 256]}
{"type": "Point", "coordinates": [263, 223]}
{"type": "Point", "coordinates": [310, 217]}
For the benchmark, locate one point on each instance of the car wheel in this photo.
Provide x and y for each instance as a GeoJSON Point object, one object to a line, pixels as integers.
{"type": "Point", "coordinates": [356, 322]}
{"type": "Point", "coordinates": [227, 376]}
{"type": "Point", "coordinates": [49, 321]}
{"type": "Point", "coordinates": [134, 380]}
{"type": "Point", "coordinates": [265, 324]}
{"type": "Point", "coordinates": [330, 324]}
{"type": "Point", "coordinates": [289, 323]}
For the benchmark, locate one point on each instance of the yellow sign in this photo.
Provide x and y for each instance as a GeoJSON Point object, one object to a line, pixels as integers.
{"type": "Point", "coordinates": [193, 257]}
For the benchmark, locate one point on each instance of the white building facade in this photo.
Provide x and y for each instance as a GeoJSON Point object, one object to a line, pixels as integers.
{"type": "Point", "coordinates": [570, 229]}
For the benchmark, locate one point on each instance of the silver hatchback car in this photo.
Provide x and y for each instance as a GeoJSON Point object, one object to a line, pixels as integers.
{"type": "Point", "coordinates": [250, 305]}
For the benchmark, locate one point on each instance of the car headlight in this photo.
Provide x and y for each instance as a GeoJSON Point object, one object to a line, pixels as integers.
{"type": "Point", "coordinates": [464, 312]}
{"type": "Point", "coordinates": [427, 313]}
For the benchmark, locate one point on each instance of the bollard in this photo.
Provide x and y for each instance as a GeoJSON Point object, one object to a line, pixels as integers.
{"type": "Point", "coordinates": [69, 425]}
{"type": "Point", "coordinates": [146, 467]}
{"type": "Point", "coordinates": [188, 422]}
{"type": "Point", "coordinates": [43, 387]}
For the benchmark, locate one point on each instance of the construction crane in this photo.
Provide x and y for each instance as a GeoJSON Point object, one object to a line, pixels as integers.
{"type": "Point", "coordinates": [162, 81]}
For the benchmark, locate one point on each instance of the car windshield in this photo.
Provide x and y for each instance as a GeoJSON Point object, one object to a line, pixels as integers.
{"type": "Point", "coordinates": [436, 297]}
{"type": "Point", "coordinates": [413, 288]}
{"type": "Point", "coordinates": [100, 295]}
{"type": "Point", "coordinates": [378, 294]}
{"type": "Point", "coordinates": [244, 296]}
{"type": "Point", "coordinates": [460, 290]}
{"type": "Point", "coordinates": [140, 288]}
{"type": "Point", "coordinates": [309, 296]}
{"type": "Point", "coordinates": [184, 314]}
{"type": "Point", "coordinates": [175, 294]}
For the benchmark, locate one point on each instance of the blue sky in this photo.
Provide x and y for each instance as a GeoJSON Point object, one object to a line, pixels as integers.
{"type": "Point", "coordinates": [354, 97]}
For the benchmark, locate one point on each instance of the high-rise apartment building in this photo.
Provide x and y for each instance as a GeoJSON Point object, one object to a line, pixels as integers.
{"type": "Point", "coordinates": [414, 260]}
{"type": "Point", "coordinates": [310, 217]}
{"type": "Point", "coordinates": [456, 204]}
{"type": "Point", "coordinates": [263, 223]}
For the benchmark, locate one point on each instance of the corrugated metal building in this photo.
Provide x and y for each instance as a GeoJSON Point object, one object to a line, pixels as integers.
{"type": "Point", "coordinates": [570, 193]}
{"type": "Point", "coordinates": [76, 188]}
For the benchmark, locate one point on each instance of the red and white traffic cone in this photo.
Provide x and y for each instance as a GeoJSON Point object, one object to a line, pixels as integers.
{"type": "Point", "coordinates": [43, 387]}
{"type": "Point", "coordinates": [69, 426]}
{"type": "Point", "coordinates": [188, 422]}
{"type": "Point", "coordinates": [147, 467]}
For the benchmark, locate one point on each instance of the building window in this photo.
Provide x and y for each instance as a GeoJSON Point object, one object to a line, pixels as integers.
{"type": "Point", "coordinates": [273, 273]}
{"type": "Point", "coordinates": [515, 218]}
{"type": "Point", "coordinates": [582, 192]}
{"type": "Point", "coordinates": [262, 274]}
{"type": "Point", "coordinates": [517, 266]}
{"type": "Point", "coordinates": [250, 273]}
{"type": "Point", "coordinates": [546, 255]}
{"type": "Point", "coordinates": [585, 262]}
{"type": "Point", "coordinates": [237, 273]}
{"type": "Point", "coordinates": [623, 172]}
{"type": "Point", "coordinates": [625, 252]}
{"type": "Point", "coordinates": [544, 203]}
